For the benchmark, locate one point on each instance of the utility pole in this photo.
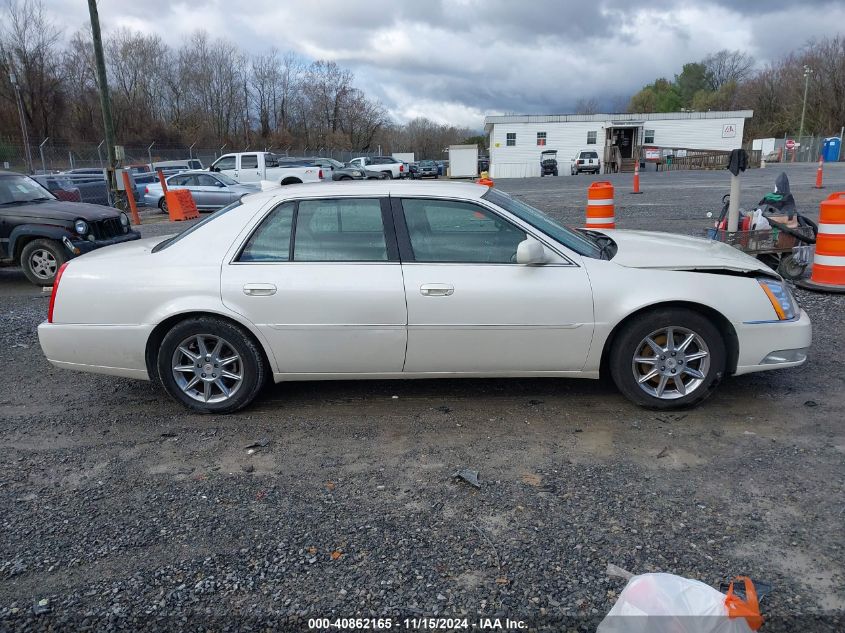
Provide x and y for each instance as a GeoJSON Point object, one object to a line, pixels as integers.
{"type": "Point", "coordinates": [807, 72]}
{"type": "Point", "coordinates": [24, 135]}
{"type": "Point", "coordinates": [105, 101]}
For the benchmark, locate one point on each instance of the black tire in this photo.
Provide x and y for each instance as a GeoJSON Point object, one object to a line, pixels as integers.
{"type": "Point", "coordinates": [627, 346]}
{"type": "Point", "coordinates": [162, 205]}
{"type": "Point", "coordinates": [41, 260]}
{"type": "Point", "coordinates": [388, 175]}
{"type": "Point", "coordinates": [790, 268]}
{"type": "Point", "coordinates": [291, 181]}
{"type": "Point", "coordinates": [250, 364]}
{"type": "Point", "coordinates": [554, 172]}
{"type": "Point", "coordinates": [345, 178]}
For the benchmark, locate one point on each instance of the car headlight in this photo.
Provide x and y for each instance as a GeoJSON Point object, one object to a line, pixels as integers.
{"type": "Point", "coordinates": [81, 226]}
{"type": "Point", "coordinates": [124, 222]}
{"type": "Point", "coordinates": [782, 300]}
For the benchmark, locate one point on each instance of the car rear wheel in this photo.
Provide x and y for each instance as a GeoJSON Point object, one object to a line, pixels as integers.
{"type": "Point", "coordinates": [162, 205]}
{"type": "Point", "coordinates": [388, 175]}
{"type": "Point", "coordinates": [668, 359]}
{"type": "Point", "coordinates": [41, 260]}
{"type": "Point", "coordinates": [211, 365]}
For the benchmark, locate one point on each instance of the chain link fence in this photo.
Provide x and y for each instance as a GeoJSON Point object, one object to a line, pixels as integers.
{"type": "Point", "coordinates": [806, 149]}
{"type": "Point", "coordinates": [57, 157]}
{"type": "Point", "coordinates": [57, 166]}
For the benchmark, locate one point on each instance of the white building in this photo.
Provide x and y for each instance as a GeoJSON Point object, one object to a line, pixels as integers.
{"type": "Point", "coordinates": [516, 141]}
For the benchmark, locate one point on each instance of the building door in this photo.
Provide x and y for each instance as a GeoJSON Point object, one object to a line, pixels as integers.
{"type": "Point", "coordinates": [623, 138]}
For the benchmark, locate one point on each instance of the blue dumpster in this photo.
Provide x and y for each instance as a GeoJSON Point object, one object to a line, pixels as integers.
{"type": "Point", "coordinates": [830, 150]}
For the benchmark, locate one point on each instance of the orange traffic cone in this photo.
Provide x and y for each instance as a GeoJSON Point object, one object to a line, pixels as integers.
{"type": "Point", "coordinates": [637, 178]}
{"type": "Point", "coordinates": [820, 173]}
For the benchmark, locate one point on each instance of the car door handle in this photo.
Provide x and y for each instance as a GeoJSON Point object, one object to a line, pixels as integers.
{"type": "Point", "coordinates": [437, 290]}
{"type": "Point", "coordinates": [259, 290]}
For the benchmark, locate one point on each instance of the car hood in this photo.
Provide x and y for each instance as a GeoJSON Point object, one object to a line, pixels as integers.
{"type": "Point", "coordinates": [66, 211]}
{"type": "Point", "coordinates": [646, 249]}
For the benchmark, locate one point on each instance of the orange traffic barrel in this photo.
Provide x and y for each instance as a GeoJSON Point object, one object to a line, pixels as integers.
{"type": "Point", "coordinates": [829, 261]}
{"type": "Point", "coordinates": [600, 214]}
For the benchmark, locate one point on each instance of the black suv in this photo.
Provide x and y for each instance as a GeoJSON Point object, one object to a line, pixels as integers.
{"type": "Point", "coordinates": [41, 233]}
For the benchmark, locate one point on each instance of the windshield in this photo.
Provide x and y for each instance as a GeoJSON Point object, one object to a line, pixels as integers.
{"type": "Point", "coordinates": [170, 241]}
{"type": "Point", "coordinates": [226, 180]}
{"type": "Point", "coordinates": [589, 155]}
{"type": "Point", "coordinates": [21, 189]}
{"type": "Point", "coordinates": [427, 163]}
{"type": "Point", "coordinates": [544, 223]}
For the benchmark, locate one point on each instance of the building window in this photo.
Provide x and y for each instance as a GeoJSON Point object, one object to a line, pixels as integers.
{"type": "Point", "coordinates": [591, 138]}
{"type": "Point", "coordinates": [511, 142]}
{"type": "Point", "coordinates": [541, 138]}
{"type": "Point", "coordinates": [649, 136]}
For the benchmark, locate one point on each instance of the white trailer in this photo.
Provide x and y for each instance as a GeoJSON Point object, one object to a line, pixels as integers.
{"type": "Point", "coordinates": [405, 157]}
{"type": "Point", "coordinates": [463, 161]}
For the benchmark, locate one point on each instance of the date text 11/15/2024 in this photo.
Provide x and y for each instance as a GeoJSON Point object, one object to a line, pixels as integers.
{"type": "Point", "coordinates": [415, 624]}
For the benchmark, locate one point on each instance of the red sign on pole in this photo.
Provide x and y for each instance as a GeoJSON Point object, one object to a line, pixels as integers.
{"type": "Point", "coordinates": [790, 144]}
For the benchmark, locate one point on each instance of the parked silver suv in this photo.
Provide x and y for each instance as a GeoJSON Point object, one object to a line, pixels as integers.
{"type": "Point", "coordinates": [586, 161]}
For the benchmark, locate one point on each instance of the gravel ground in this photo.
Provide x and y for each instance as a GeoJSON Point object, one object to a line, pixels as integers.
{"type": "Point", "coordinates": [123, 511]}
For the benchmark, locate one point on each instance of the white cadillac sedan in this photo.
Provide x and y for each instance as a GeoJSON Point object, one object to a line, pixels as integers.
{"type": "Point", "coordinates": [389, 279]}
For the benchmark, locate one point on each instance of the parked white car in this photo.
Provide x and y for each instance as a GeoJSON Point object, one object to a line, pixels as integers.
{"type": "Point", "coordinates": [387, 280]}
{"type": "Point", "coordinates": [257, 166]}
{"type": "Point", "coordinates": [391, 167]}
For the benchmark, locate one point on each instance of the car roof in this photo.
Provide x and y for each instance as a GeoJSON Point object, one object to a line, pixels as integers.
{"type": "Point", "coordinates": [11, 173]}
{"type": "Point", "coordinates": [397, 188]}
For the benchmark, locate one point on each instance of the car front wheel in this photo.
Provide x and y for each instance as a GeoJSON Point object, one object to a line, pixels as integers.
{"type": "Point", "coordinates": [41, 260]}
{"type": "Point", "coordinates": [211, 365]}
{"type": "Point", "coordinates": [668, 359]}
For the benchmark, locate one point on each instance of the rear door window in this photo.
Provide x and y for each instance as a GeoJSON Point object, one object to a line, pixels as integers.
{"type": "Point", "coordinates": [350, 230]}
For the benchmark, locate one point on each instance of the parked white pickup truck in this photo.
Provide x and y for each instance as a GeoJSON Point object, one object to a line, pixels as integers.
{"type": "Point", "coordinates": [258, 166]}
{"type": "Point", "coordinates": [387, 164]}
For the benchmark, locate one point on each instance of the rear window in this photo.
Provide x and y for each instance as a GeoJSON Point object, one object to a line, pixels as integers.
{"type": "Point", "coordinates": [589, 155]}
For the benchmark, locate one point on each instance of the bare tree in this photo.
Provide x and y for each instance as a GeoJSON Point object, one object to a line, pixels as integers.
{"type": "Point", "coordinates": [727, 66]}
{"type": "Point", "coordinates": [587, 106]}
{"type": "Point", "coordinates": [29, 49]}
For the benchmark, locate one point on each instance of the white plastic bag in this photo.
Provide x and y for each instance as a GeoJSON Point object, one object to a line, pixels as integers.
{"type": "Point", "coordinates": [665, 603]}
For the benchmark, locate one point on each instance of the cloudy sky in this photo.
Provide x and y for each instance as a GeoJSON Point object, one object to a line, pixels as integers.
{"type": "Point", "coordinates": [457, 60]}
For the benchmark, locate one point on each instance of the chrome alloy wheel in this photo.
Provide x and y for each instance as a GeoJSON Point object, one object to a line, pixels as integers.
{"type": "Point", "coordinates": [43, 264]}
{"type": "Point", "coordinates": [670, 363]}
{"type": "Point", "coordinates": [207, 368]}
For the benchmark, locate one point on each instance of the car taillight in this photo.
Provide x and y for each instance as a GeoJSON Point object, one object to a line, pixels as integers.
{"type": "Point", "coordinates": [321, 174]}
{"type": "Point", "coordinates": [55, 290]}
{"type": "Point", "coordinates": [146, 190]}
{"type": "Point", "coordinates": [401, 168]}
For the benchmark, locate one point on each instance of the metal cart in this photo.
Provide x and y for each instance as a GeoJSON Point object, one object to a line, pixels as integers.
{"type": "Point", "coordinates": [783, 251]}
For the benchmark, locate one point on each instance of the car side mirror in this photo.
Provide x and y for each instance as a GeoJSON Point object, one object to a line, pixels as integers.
{"type": "Point", "coordinates": [530, 252]}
